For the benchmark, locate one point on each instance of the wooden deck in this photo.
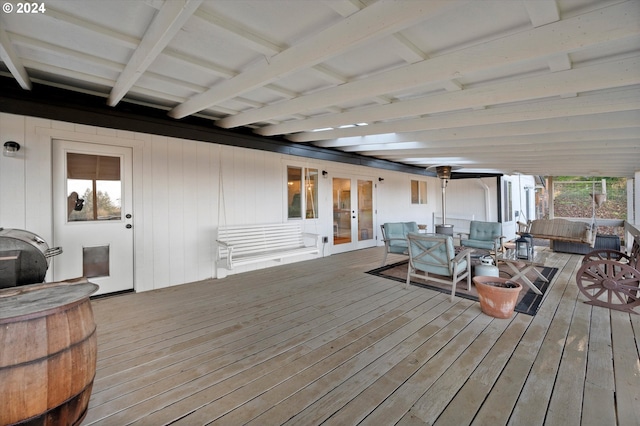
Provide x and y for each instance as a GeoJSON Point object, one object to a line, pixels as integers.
{"type": "Point", "coordinates": [323, 342]}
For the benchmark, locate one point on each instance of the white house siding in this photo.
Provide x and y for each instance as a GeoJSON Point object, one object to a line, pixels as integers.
{"type": "Point", "coordinates": [179, 198]}
{"type": "Point", "coordinates": [469, 199]}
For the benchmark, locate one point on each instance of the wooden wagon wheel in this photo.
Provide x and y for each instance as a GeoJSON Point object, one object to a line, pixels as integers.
{"type": "Point", "coordinates": [605, 254]}
{"type": "Point", "coordinates": [610, 284]}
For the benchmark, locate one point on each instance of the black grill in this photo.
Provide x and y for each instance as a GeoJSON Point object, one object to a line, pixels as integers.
{"type": "Point", "coordinates": [24, 257]}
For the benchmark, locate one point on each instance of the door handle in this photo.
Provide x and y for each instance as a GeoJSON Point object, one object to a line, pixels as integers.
{"type": "Point", "coordinates": [128, 226]}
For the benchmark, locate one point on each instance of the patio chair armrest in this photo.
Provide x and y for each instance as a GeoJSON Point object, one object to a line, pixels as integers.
{"type": "Point", "coordinates": [460, 234]}
{"type": "Point", "coordinates": [388, 240]}
{"type": "Point", "coordinates": [463, 253]}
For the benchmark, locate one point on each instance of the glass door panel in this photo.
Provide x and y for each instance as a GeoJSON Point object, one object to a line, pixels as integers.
{"type": "Point", "coordinates": [341, 211]}
{"type": "Point", "coordinates": [365, 210]}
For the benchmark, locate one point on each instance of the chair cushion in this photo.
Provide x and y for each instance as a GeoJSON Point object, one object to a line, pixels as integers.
{"type": "Point", "coordinates": [484, 231]}
{"type": "Point", "coordinates": [488, 245]}
{"type": "Point", "coordinates": [394, 231]}
{"type": "Point", "coordinates": [436, 262]}
{"type": "Point", "coordinates": [397, 232]}
{"type": "Point", "coordinates": [410, 227]}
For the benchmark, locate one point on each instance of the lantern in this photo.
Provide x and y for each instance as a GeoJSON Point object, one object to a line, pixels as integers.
{"type": "Point", "coordinates": [524, 248]}
{"type": "Point", "coordinates": [529, 238]}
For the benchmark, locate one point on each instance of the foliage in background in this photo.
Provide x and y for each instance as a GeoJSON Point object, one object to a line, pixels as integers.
{"type": "Point", "coordinates": [572, 199]}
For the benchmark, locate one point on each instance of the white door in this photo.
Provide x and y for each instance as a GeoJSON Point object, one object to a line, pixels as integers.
{"type": "Point", "coordinates": [353, 214]}
{"type": "Point", "coordinates": [92, 219]}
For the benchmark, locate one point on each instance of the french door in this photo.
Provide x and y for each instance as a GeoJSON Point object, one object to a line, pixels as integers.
{"type": "Point", "coordinates": [353, 214]}
{"type": "Point", "coordinates": [92, 220]}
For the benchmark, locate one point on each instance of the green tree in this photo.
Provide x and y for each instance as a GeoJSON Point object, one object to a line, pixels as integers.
{"type": "Point", "coordinates": [106, 208]}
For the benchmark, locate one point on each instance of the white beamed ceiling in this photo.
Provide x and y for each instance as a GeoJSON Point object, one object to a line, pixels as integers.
{"type": "Point", "coordinates": [540, 87]}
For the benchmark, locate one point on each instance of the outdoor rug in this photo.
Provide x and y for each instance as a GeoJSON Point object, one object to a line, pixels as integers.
{"type": "Point", "coordinates": [528, 302]}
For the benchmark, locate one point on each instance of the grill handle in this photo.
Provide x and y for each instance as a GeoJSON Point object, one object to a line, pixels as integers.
{"type": "Point", "coordinates": [53, 251]}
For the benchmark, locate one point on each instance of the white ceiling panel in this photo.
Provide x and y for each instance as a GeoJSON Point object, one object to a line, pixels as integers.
{"type": "Point", "coordinates": [534, 86]}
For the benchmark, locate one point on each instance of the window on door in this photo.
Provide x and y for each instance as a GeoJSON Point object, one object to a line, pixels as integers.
{"type": "Point", "coordinates": [302, 193]}
{"type": "Point", "coordinates": [94, 188]}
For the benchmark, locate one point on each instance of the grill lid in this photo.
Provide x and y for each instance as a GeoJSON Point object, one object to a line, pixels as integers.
{"type": "Point", "coordinates": [24, 257]}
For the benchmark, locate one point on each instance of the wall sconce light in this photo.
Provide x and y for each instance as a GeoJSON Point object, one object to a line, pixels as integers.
{"type": "Point", "coordinates": [11, 148]}
{"type": "Point", "coordinates": [380, 179]}
{"type": "Point", "coordinates": [325, 173]}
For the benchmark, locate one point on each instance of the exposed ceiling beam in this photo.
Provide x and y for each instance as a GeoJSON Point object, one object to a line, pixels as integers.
{"type": "Point", "coordinates": [345, 7]}
{"type": "Point", "coordinates": [328, 75]}
{"type": "Point", "coordinates": [533, 161]}
{"type": "Point", "coordinates": [629, 122]}
{"type": "Point", "coordinates": [624, 138]}
{"type": "Point", "coordinates": [46, 47]}
{"type": "Point", "coordinates": [76, 75]}
{"type": "Point", "coordinates": [79, 76]}
{"type": "Point", "coordinates": [536, 162]}
{"type": "Point", "coordinates": [588, 103]}
{"type": "Point", "coordinates": [258, 42]}
{"type": "Point", "coordinates": [542, 12]}
{"type": "Point", "coordinates": [407, 50]}
{"type": "Point", "coordinates": [614, 23]}
{"type": "Point", "coordinates": [12, 61]}
{"type": "Point", "coordinates": [94, 60]}
{"type": "Point", "coordinates": [560, 62]}
{"type": "Point", "coordinates": [133, 42]}
{"type": "Point", "coordinates": [601, 76]}
{"type": "Point", "coordinates": [451, 85]}
{"type": "Point", "coordinates": [282, 92]}
{"type": "Point", "coordinates": [240, 33]}
{"type": "Point", "coordinates": [529, 153]}
{"type": "Point", "coordinates": [620, 139]}
{"type": "Point", "coordinates": [373, 22]}
{"type": "Point", "coordinates": [114, 36]}
{"type": "Point", "coordinates": [171, 17]}
{"type": "Point", "coordinates": [208, 66]}
{"type": "Point", "coordinates": [563, 159]}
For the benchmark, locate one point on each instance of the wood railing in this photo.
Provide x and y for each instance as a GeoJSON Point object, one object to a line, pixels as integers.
{"type": "Point", "coordinates": [631, 232]}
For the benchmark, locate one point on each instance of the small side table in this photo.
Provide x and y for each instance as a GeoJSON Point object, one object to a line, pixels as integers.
{"type": "Point", "coordinates": [515, 263]}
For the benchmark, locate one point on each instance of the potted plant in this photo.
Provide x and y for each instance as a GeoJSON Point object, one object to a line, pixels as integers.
{"type": "Point", "coordinates": [498, 296]}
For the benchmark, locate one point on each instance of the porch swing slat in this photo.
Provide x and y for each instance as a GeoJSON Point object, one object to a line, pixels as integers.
{"type": "Point", "coordinates": [245, 244]}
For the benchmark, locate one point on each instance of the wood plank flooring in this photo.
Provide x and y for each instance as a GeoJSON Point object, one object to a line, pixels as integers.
{"type": "Point", "coordinates": [322, 342]}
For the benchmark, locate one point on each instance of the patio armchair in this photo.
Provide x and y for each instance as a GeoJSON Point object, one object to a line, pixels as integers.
{"type": "Point", "coordinates": [484, 235]}
{"type": "Point", "coordinates": [394, 235]}
{"type": "Point", "coordinates": [435, 254]}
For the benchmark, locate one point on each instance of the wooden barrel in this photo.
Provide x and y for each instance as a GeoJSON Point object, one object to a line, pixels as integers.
{"type": "Point", "coordinates": [48, 353]}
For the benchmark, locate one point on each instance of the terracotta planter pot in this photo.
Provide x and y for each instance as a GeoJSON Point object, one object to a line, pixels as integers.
{"type": "Point", "coordinates": [498, 296]}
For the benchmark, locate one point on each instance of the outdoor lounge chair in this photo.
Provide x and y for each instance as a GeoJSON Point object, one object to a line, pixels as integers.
{"type": "Point", "coordinates": [484, 235]}
{"type": "Point", "coordinates": [394, 235]}
{"type": "Point", "coordinates": [435, 254]}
